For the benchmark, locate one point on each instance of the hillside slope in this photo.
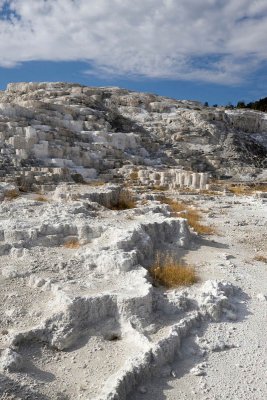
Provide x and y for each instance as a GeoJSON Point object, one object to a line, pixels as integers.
{"type": "Point", "coordinates": [94, 131]}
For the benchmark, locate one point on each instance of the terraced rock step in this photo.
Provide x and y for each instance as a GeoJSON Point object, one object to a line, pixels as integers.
{"type": "Point", "coordinates": [94, 296]}
{"type": "Point", "coordinates": [94, 182]}
{"type": "Point", "coordinates": [81, 133]}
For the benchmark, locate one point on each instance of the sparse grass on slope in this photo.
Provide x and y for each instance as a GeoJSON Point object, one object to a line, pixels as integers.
{"type": "Point", "coordinates": [72, 244]}
{"type": "Point", "coordinates": [158, 188]}
{"type": "Point", "coordinates": [11, 194]}
{"type": "Point", "coordinates": [125, 201]}
{"type": "Point", "coordinates": [41, 198]}
{"type": "Point", "coordinates": [261, 258]}
{"type": "Point", "coordinates": [134, 175]}
{"type": "Point", "coordinates": [95, 183]}
{"type": "Point", "coordinates": [245, 190]}
{"type": "Point", "coordinates": [192, 215]}
{"type": "Point", "coordinates": [168, 272]}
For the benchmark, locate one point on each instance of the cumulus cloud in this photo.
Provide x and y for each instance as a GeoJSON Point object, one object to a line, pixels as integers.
{"type": "Point", "coordinates": [209, 40]}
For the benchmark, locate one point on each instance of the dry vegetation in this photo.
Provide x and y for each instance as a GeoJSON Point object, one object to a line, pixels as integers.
{"type": "Point", "coordinates": [125, 201]}
{"type": "Point", "coordinates": [245, 190]}
{"type": "Point", "coordinates": [262, 188]}
{"type": "Point", "coordinates": [95, 183]}
{"type": "Point", "coordinates": [239, 189]}
{"type": "Point", "coordinates": [210, 192]}
{"type": "Point", "coordinates": [168, 272]}
{"type": "Point", "coordinates": [261, 258]}
{"type": "Point", "coordinates": [134, 175]}
{"type": "Point", "coordinates": [72, 244]}
{"type": "Point", "coordinates": [176, 206]}
{"type": "Point", "coordinates": [41, 198]}
{"type": "Point", "coordinates": [154, 188]}
{"type": "Point", "coordinates": [11, 194]}
{"type": "Point", "coordinates": [158, 188]}
{"type": "Point", "coordinates": [192, 215]}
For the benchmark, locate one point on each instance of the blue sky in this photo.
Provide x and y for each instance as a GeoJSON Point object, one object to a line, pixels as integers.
{"type": "Point", "coordinates": [209, 50]}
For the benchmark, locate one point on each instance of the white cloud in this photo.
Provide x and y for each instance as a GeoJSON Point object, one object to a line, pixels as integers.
{"type": "Point", "coordinates": [209, 40]}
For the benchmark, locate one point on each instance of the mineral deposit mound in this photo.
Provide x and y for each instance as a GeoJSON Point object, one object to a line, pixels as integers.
{"type": "Point", "coordinates": [132, 246]}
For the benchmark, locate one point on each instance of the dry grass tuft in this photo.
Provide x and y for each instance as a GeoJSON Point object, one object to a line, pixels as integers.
{"type": "Point", "coordinates": [144, 202]}
{"type": "Point", "coordinates": [41, 198]}
{"type": "Point", "coordinates": [261, 258]}
{"type": "Point", "coordinates": [158, 188]}
{"type": "Point", "coordinates": [95, 183]}
{"type": "Point", "coordinates": [262, 188]}
{"type": "Point", "coordinates": [192, 215]}
{"type": "Point", "coordinates": [125, 201]}
{"type": "Point", "coordinates": [176, 206]}
{"type": "Point", "coordinates": [245, 190]}
{"type": "Point", "coordinates": [168, 272]}
{"type": "Point", "coordinates": [11, 194]}
{"type": "Point", "coordinates": [72, 244]}
{"type": "Point", "coordinates": [240, 190]}
{"type": "Point", "coordinates": [134, 175]}
{"type": "Point", "coordinates": [210, 192]}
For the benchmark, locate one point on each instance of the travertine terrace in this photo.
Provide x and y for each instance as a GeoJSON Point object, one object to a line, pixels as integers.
{"type": "Point", "coordinates": [55, 132]}
{"type": "Point", "coordinates": [81, 317]}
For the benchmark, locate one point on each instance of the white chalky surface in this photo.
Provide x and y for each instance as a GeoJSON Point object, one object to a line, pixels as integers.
{"type": "Point", "coordinates": [76, 321]}
{"type": "Point", "coordinates": [88, 322]}
{"type": "Point", "coordinates": [233, 353]}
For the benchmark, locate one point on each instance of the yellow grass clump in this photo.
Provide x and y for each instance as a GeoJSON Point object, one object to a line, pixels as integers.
{"type": "Point", "coordinates": [158, 188]}
{"type": "Point", "coordinates": [134, 175]}
{"type": "Point", "coordinates": [72, 244]}
{"type": "Point", "coordinates": [168, 272]}
{"type": "Point", "coordinates": [11, 194]}
{"type": "Point", "coordinates": [192, 215]}
{"type": "Point", "coordinates": [95, 183]}
{"type": "Point", "coordinates": [240, 190]}
{"type": "Point", "coordinates": [210, 192]}
{"type": "Point", "coordinates": [243, 190]}
{"type": "Point", "coordinates": [262, 188]}
{"type": "Point", "coordinates": [176, 206]}
{"type": "Point", "coordinates": [261, 258]}
{"type": "Point", "coordinates": [41, 198]}
{"type": "Point", "coordinates": [125, 201]}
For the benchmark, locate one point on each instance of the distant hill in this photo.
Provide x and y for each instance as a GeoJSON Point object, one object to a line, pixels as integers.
{"type": "Point", "coordinates": [53, 131]}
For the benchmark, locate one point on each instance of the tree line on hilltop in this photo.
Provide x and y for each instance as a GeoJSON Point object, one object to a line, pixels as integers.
{"type": "Point", "coordinates": [259, 105]}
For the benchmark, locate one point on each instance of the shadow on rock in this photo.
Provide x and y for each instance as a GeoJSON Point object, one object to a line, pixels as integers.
{"type": "Point", "coordinates": [194, 353]}
{"type": "Point", "coordinates": [10, 389]}
{"type": "Point", "coordinates": [200, 241]}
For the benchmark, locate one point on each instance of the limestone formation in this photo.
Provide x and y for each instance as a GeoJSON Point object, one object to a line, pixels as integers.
{"type": "Point", "coordinates": [83, 220]}
{"type": "Point", "coordinates": [56, 132]}
{"type": "Point", "coordinates": [173, 178]}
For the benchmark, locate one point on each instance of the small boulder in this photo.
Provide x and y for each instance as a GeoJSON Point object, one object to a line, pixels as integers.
{"type": "Point", "coordinates": [261, 297]}
{"type": "Point", "coordinates": [11, 361]}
